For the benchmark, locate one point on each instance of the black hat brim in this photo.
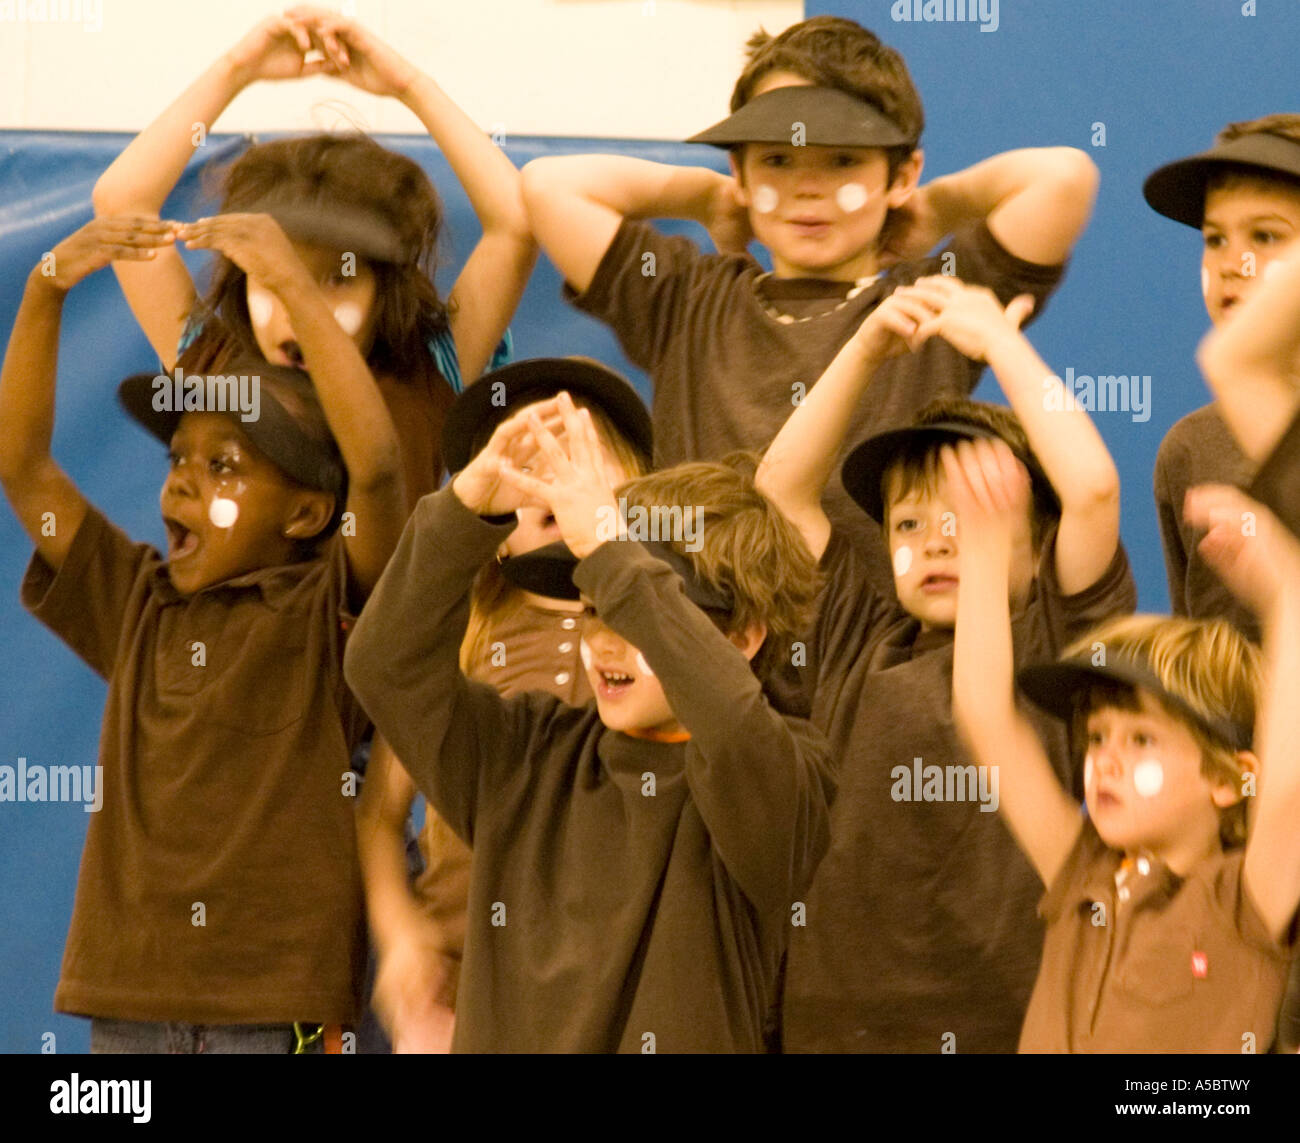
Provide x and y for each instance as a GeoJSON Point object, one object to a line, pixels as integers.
{"type": "Point", "coordinates": [501, 393]}
{"type": "Point", "coordinates": [1058, 688]}
{"type": "Point", "coordinates": [864, 468]}
{"type": "Point", "coordinates": [1177, 190]}
{"type": "Point", "coordinates": [828, 118]}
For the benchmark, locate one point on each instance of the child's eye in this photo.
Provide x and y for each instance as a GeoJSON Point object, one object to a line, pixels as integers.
{"type": "Point", "coordinates": [173, 459]}
{"type": "Point", "coordinates": [775, 159]}
{"type": "Point", "coordinates": [908, 524]}
{"type": "Point", "coordinates": [1142, 738]}
{"type": "Point", "coordinates": [1213, 241]}
{"type": "Point", "coordinates": [845, 159]}
{"type": "Point", "coordinates": [220, 465]}
{"type": "Point", "coordinates": [1265, 237]}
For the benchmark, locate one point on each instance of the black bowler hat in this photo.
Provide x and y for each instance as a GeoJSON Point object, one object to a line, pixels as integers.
{"type": "Point", "coordinates": [830, 118]}
{"type": "Point", "coordinates": [274, 431]}
{"type": "Point", "coordinates": [864, 468]}
{"type": "Point", "coordinates": [548, 571]}
{"type": "Point", "coordinates": [1059, 687]}
{"type": "Point", "coordinates": [1177, 190]}
{"type": "Point", "coordinates": [503, 392]}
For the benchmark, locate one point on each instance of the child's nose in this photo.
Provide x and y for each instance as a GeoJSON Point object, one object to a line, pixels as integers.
{"type": "Point", "coordinates": [938, 542]}
{"type": "Point", "coordinates": [180, 482]}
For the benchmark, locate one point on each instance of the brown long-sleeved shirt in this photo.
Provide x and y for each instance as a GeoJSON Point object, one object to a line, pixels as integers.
{"type": "Point", "coordinates": [626, 895]}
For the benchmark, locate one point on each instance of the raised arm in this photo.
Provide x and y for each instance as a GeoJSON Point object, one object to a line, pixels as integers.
{"type": "Point", "coordinates": [490, 284]}
{"type": "Point", "coordinates": [989, 487]}
{"type": "Point", "coordinates": [161, 293]}
{"type": "Point", "coordinates": [1252, 361]}
{"type": "Point", "coordinates": [801, 458]}
{"type": "Point", "coordinates": [49, 506]}
{"type": "Point", "coordinates": [1036, 202]}
{"type": "Point", "coordinates": [1063, 437]}
{"type": "Point", "coordinates": [576, 202]}
{"type": "Point", "coordinates": [758, 783]}
{"type": "Point", "coordinates": [1259, 559]}
{"type": "Point", "coordinates": [353, 405]}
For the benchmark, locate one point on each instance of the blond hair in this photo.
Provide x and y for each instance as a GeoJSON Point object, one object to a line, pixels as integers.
{"type": "Point", "coordinates": [1205, 663]}
{"type": "Point", "coordinates": [746, 547]}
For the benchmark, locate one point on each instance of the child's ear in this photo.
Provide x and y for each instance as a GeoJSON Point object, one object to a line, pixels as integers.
{"type": "Point", "coordinates": [750, 639]}
{"type": "Point", "coordinates": [736, 158]}
{"type": "Point", "coordinates": [1229, 792]}
{"type": "Point", "coordinates": [906, 179]}
{"type": "Point", "coordinates": [309, 512]}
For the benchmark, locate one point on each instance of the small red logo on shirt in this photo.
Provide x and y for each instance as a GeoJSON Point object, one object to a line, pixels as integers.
{"type": "Point", "coordinates": [1200, 965]}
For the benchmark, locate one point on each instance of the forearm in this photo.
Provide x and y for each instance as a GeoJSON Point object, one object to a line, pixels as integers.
{"type": "Point", "coordinates": [142, 176]}
{"type": "Point", "coordinates": [634, 188]}
{"type": "Point", "coordinates": [974, 193]}
{"type": "Point", "coordinates": [489, 178]}
{"type": "Point", "coordinates": [801, 459]}
{"type": "Point", "coordinates": [1062, 435]}
{"type": "Point", "coordinates": [353, 405]}
{"type": "Point", "coordinates": [1252, 361]}
{"type": "Point", "coordinates": [27, 380]}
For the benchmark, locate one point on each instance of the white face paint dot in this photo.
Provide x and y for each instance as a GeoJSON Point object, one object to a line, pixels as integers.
{"type": "Point", "coordinates": [765, 199]}
{"type": "Point", "coordinates": [851, 197]}
{"type": "Point", "coordinates": [1144, 866]}
{"type": "Point", "coordinates": [259, 306]}
{"type": "Point", "coordinates": [222, 512]}
{"type": "Point", "coordinates": [902, 561]}
{"type": "Point", "coordinates": [1088, 767]}
{"type": "Point", "coordinates": [643, 666]}
{"type": "Point", "coordinates": [1148, 778]}
{"type": "Point", "coordinates": [585, 652]}
{"type": "Point", "coordinates": [1205, 282]}
{"type": "Point", "coordinates": [349, 317]}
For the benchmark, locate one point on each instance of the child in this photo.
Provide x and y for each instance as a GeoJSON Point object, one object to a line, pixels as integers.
{"type": "Point", "coordinates": [823, 148]}
{"type": "Point", "coordinates": [636, 861]}
{"type": "Point", "coordinates": [1252, 364]}
{"type": "Point", "coordinates": [1164, 935]}
{"type": "Point", "coordinates": [516, 641]}
{"type": "Point", "coordinates": [1244, 196]}
{"type": "Point", "coordinates": [921, 934]}
{"type": "Point", "coordinates": [364, 219]}
{"type": "Point", "coordinates": [218, 906]}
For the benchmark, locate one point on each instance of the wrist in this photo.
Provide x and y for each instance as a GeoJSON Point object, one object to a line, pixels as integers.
{"type": "Point", "coordinates": [418, 91]}
{"type": "Point", "coordinates": [232, 74]}
{"type": "Point", "coordinates": [45, 286]}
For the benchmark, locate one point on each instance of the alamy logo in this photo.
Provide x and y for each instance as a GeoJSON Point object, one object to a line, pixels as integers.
{"type": "Point", "coordinates": [1105, 393]}
{"type": "Point", "coordinates": [211, 393]}
{"type": "Point", "coordinates": [657, 523]}
{"type": "Point", "coordinates": [25, 783]}
{"type": "Point", "coordinates": [921, 783]}
{"type": "Point", "coordinates": [77, 1096]}
{"type": "Point", "coordinates": [981, 12]}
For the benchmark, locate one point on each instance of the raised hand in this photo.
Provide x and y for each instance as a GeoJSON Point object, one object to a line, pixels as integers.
{"type": "Point", "coordinates": [576, 487]}
{"type": "Point", "coordinates": [354, 53]}
{"type": "Point", "coordinates": [895, 326]}
{"type": "Point", "coordinates": [480, 485]}
{"type": "Point", "coordinates": [276, 48]}
{"type": "Point", "coordinates": [1245, 545]}
{"type": "Point", "coordinates": [911, 231]}
{"type": "Point", "coordinates": [988, 488]}
{"type": "Point", "coordinates": [969, 317]}
{"type": "Point", "coordinates": [118, 237]}
{"type": "Point", "coordinates": [728, 221]}
{"type": "Point", "coordinates": [253, 242]}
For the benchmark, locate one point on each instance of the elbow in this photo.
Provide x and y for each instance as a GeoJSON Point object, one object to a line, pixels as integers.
{"type": "Point", "coordinates": [1074, 170]}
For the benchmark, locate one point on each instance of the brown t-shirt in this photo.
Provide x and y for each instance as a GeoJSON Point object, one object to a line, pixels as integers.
{"type": "Point", "coordinates": [1277, 484]}
{"type": "Point", "coordinates": [1176, 964]}
{"type": "Point", "coordinates": [1198, 449]}
{"type": "Point", "coordinates": [727, 372]}
{"type": "Point", "coordinates": [921, 917]}
{"type": "Point", "coordinates": [219, 882]}
{"type": "Point", "coordinates": [539, 653]}
{"type": "Point", "coordinates": [626, 894]}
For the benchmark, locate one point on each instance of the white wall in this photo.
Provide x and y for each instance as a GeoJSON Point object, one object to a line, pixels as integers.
{"type": "Point", "coordinates": [651, 69]}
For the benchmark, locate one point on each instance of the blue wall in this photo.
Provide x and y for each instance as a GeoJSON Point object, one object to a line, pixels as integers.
{"type": "Point", "coordinates": [1162, 77]}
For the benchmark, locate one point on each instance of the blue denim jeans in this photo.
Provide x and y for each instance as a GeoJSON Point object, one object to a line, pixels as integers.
{"type": "Point", "coordinates": [139, 1037]}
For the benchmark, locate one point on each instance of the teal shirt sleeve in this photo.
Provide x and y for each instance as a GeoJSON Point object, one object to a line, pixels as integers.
{"type": "Point", "coordinates": [442, 348]}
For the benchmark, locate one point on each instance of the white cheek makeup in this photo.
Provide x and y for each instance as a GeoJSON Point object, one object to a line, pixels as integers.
{"type": "Point", "coordinates": [222, 512]}
{"type": "Point", "coordinates": [1088, 768]}
{"type": "Point", "coordinates": [851, 197]}
{"type": "Point", "coordinates": [585, 652]}
{"type": "Point", "coordinates": [765, 199]}
{"type": "Point", "coordinates": [259, 305]}
{"type": "Point", "coordinates": [1148, 778]}
{"type": "Point", "coordinates": [902, 561]}
{"type": "Point", "coordinates": [349, 317]}
{"type": "Point", "coordinates": [643, 666]}
{"type": "Point", "coordinates": [1205, 282]}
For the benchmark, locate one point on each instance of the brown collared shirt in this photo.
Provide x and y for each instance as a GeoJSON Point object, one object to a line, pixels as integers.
{"type": "Point", "coordinates": [1153, 962]}
{"type": "Point", "coordinates": [219, 882]}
